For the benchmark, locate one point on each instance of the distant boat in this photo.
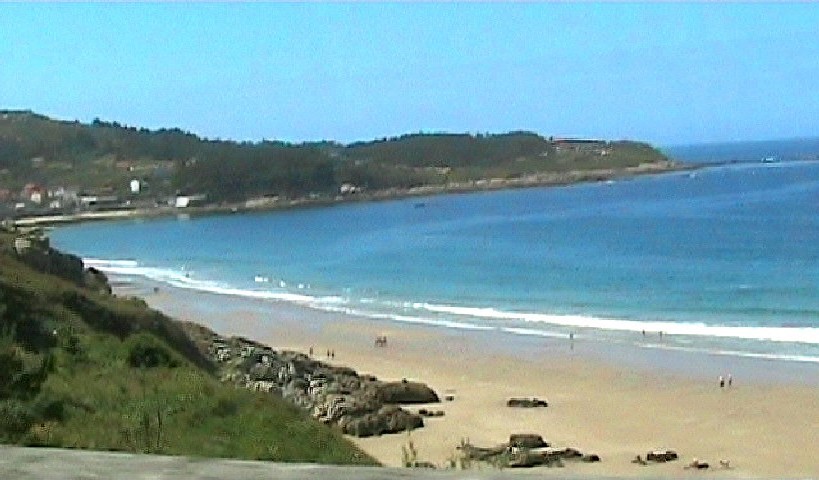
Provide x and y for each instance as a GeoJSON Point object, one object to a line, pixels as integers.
{"type": "Point", "coordinates": [261, 279]}
{"type": "Point", "coordinates": [770, 159]}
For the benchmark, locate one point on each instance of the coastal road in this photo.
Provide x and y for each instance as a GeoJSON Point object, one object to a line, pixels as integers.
{"type": "Point", "coordinates": [18, 463]}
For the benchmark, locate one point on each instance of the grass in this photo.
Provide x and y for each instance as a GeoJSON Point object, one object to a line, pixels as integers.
{"type": "Point", "coordinates": [120, 377]}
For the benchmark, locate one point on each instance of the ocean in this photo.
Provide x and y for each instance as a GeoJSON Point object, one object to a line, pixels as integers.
{"type": "Point", "coordinates": [723, 260]}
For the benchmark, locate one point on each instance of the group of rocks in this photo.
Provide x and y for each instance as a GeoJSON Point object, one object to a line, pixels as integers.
{"type": "Point", "coordinates": [360, 405]}
{"type": "Point", "coordinates": [525, 450]}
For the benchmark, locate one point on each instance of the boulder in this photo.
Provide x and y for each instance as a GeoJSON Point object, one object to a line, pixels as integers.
{"type": "Point", "coordinates": [526, 440]}
{"type": "Point", "coordinates": [405, 392]}
{"type": "Point", "coordinates": [661, 456]}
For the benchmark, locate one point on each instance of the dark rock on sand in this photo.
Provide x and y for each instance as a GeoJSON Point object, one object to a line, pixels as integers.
{"type": "Point", "coordinates": [526, 440]}
{"type": "Point", "coordinates": [661, 456]}
{"type": "Point", "coordinates": [526, 402]}
{"type": "Point", "coordinates": [406, 392]}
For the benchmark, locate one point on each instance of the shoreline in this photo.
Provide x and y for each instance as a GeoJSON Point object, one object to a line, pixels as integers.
{"type": "Point", "coordinates": [617, 409]}
{"type": "Point", "coordinates": [548, 179]}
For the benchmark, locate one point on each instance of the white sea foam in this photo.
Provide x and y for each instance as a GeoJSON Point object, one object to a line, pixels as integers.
{"type": "Point", "coordinates": [533, 332]}
{"type": "Point", "coordinates": [96, 262]}
{"type": "Point", "coordinates": [737, 353]}
{"type": "Point", "coordinates": [442, 315]}
{"type": "Point", "coordinates": [773, 334]}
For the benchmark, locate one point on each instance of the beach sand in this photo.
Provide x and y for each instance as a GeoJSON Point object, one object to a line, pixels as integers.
{"type": "Point", "coordinates": [764, 426]}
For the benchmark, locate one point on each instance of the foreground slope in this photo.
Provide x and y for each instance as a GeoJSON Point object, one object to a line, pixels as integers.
{"type": "Point", "coordinates": [81, 368]}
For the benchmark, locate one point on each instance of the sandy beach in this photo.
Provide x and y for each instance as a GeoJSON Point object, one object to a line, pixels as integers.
{"type": "Point", "coordinates": [766, 425]}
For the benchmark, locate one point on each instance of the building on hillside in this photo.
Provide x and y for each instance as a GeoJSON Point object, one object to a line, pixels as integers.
{"type": "Point", "coordinates": [348, 189]}
{"type": "Point", "coordinates": [185, 201]}
{"type": "Point", "coordinates": [33, 193]}
{"type": "Point", "coordinates": [90, 201]}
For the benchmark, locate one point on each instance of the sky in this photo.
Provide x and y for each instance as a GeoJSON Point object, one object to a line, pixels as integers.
{"type": "Point", "coordinates": [667, 73]}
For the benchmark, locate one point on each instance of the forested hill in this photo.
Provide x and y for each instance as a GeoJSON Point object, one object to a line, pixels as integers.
{"type": "Point", "coordinates": [106, 156]}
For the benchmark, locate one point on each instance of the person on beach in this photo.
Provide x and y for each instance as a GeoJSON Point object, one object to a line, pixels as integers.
{"type": "Point", "coordinates": [730, 380]}
{"type": "Point", "coordinates": [721, 382]}
{"type": "Point", "coordinates": [311, 350]}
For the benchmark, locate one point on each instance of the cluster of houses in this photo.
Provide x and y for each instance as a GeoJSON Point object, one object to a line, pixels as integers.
{"type": "Point", "coordinates": [36, 199]}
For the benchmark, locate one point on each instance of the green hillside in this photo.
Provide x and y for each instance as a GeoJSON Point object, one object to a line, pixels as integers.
{"type": "Point", "coordinates": [103, 157]}
{"type": "Point", "coordinates": [80, 368]}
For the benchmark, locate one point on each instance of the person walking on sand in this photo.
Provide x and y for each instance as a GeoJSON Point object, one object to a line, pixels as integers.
{"type": "Point", "coordinates": [730, 380]}
{"type": "Point", "coordinates": [721, 382]}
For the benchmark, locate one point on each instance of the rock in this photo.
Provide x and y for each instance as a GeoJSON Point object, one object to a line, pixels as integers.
{"type": "Point", "coordinates": [526, 402]}
{"type": "Point", "coordinates": [590, 458]}
{"type": "Point", "coordinates": [526, 440]}
{"type": "Point", "coordinates": [406, 392]}
{"type": "Point", "coordinates": [661, 456]}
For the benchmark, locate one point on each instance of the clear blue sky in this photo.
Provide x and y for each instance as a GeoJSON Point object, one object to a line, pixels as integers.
{"type": "Point", "coordinates": [666, 73]}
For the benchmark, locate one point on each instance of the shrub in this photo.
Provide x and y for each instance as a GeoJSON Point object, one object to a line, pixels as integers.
{"type": "Point", "coordinates": [146, 351]}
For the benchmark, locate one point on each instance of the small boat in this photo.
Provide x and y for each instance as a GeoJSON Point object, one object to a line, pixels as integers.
{"type": "Point", "coordinates": [770, 159]}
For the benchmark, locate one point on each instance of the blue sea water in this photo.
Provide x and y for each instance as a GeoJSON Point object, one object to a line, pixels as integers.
{"type": "Point", "coordinates": [722, 260]}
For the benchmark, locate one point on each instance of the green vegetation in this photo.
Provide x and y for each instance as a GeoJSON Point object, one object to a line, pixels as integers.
{"type": "Point", "coordinates": [83, 369]}
{"type": "Point", "coordinates": [104, 156]}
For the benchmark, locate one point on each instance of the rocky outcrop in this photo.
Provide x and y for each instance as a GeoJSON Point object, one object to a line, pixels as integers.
{"type": "Point", "coordinates": [97, 281]}
{"type": "Point", "coordinates": [34, 250]}
{"type": "Point", "coordinates": [526, 450]}
{"type": "Point", "coordinates": [360, 405]}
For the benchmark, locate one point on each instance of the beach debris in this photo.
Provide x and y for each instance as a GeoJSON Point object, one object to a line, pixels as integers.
{"type": "Point", "coordinates": [526, 402]}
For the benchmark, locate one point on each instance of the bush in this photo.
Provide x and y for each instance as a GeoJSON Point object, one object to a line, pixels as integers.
{"type": "Point", "coordinates": [146, 351]}
{"type": "Point", "coordinates": [48, 406]}
{"type": "Point", "coordinates": [225, 407]}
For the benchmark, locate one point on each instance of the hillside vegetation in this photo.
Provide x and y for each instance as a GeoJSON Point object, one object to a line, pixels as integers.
{"type": "Point", "coordinates": [104, 156]}
{"type": "Point", "coordinates": [80, 368]}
